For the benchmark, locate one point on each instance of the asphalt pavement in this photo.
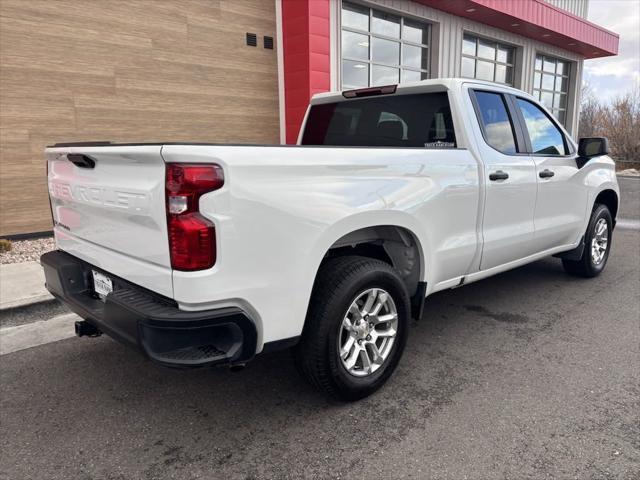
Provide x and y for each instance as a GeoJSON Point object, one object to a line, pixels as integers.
{"type": "Point", "coordinates": [529, 374]}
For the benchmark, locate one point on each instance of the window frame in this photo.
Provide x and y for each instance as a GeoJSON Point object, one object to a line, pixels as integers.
{"type": "Point", "coordinates": [519, 125]}
{"type": "Point", "coordinates": [476, 58]}
{"type": "Point", "coordinates": [370, 62]}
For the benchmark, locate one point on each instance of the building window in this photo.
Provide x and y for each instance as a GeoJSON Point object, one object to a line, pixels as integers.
{"type": "Point", "coordinates": [379, 48]}
{"type": "Point", "coordinates": [551, 84]}
{"type": "Point", "coordinates": [486, 60]}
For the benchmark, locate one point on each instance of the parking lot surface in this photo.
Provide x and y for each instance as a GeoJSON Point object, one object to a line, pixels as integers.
{"type": "Point", "coordinates": [529, 374]}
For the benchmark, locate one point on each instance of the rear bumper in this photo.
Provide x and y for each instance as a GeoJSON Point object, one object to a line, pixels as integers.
{"type": "Point", "coordinates": [149, 322]}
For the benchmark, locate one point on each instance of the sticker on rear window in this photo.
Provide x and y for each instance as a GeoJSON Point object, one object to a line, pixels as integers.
{"type": "Point", "coordinates": [439, 144]}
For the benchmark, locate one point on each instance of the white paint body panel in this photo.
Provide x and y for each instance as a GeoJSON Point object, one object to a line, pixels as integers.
{"type": "Point", "coordinates": [113, 216]}
{"type": "Point", "coordinates": [507, 224]}
{"type": "Point", "coordinates": [282, 208]}
{"type": "Point", "coordinates": [561, 203]}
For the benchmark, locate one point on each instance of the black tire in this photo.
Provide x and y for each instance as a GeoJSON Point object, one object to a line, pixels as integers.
{"type": "Point", "coordinates": [586, 266]}
{"type": "Point", "coordinates": [338, 284]}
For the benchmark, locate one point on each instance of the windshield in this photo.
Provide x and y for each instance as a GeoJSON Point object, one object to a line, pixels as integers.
{"type": "Point", "coordinates": [420, 120]}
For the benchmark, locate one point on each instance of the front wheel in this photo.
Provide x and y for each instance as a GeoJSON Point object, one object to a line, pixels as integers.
{"type": "Point", "coordinates": [356, 327]}
{"type": "Point", "coordinates": [597, 245]}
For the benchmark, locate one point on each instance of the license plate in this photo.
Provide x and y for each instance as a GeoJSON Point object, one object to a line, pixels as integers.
{"type": "Point", "coordinates": [102, 284]}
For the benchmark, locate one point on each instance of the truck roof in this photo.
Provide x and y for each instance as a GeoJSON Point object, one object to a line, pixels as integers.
{"type": "Point", "coordinates": [423, 86]}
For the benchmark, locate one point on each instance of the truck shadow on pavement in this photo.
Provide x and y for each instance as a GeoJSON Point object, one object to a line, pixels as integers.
{"type": "Point", "coordinates": [499, 303]}
{"type": "Point", "coordinates": [266, 418]}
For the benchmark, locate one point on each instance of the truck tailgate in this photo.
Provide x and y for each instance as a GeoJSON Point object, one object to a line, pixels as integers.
{"type": "Point", "coordinates": [108, 206]}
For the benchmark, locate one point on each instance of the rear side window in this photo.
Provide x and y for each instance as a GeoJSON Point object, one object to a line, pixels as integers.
{"type": "Point", "coordinates": [495, 121]}
{"type": "Point", "coordinates": [546, 138]}
{"type": "Point", "coordinates": [422, 120]}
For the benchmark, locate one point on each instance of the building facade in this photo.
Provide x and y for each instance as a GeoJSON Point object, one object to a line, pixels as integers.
{"type": "Point", "coordinates": [243, 70]}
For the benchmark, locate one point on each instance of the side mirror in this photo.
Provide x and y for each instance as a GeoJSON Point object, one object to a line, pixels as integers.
{"type": "Point", "coordinates": [591, 147]}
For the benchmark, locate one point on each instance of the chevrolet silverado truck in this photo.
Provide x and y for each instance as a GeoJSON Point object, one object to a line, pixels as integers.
{"type": "Point", "coordinates": [205, 254]}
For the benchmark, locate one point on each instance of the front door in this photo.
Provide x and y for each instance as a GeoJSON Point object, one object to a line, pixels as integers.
{"type": "Point", "coordinates": [562, 195]}
{"type": "Point", "coordinates": [510, 180]}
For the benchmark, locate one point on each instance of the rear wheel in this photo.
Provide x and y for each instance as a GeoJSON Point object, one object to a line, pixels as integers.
{"type": "Point", "coordinates": [597, 245]}
{"type": "Point", "coordinates": [356, 327]}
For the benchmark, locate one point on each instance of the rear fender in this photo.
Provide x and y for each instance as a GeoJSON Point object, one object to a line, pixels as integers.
{"type": "Point", "coordinates": [363, 220]}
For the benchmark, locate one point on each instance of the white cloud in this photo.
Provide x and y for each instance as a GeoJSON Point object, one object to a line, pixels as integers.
{"type": "Point", "coordinates": [610, 77]}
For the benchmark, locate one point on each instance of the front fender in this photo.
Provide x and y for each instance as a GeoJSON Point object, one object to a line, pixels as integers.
{"type": "Point", "coordinates": [599, 175]}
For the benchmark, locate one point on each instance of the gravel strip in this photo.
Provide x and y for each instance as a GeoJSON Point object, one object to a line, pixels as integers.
{"type": "Point", "coordinates": [27, 250]}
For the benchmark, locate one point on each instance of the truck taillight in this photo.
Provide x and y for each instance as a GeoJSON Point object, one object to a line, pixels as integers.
{"type": "Point", "coordinates": [192, 238]}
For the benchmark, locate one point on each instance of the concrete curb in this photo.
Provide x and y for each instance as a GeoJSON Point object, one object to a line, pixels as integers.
{"type": "Point", "coordinates": [12, 317]}
{"type": "Point", "coordinates": [21, 337]}
{"type": "Point", "coordinates": [26, 301]}
{"type": "Point", "coordinates": [628, 224]}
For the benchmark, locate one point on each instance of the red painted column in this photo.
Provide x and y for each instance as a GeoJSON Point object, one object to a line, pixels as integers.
{"type": "Point", "coordinates": [306, 54]}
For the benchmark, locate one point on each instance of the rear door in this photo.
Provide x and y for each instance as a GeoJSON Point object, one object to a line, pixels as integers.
{"type": "Point", "coordinates": [562, 195]}
{"type": "Point", "coordinates": [108, 207]}
{"type": "Point", "coordinates": [510, 182]}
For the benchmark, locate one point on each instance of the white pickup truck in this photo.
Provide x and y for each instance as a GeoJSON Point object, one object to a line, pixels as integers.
{"type": "Point", "coordinates": [201, 254]}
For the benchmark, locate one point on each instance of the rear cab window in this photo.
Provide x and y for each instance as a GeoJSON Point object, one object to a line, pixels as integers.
{"type": "Point", "coordinates": [416, 120]}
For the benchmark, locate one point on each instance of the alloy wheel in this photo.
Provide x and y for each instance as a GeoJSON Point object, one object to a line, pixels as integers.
{"type": "Point", "coordinates": [600, 241]}
{"type": "Point", "coordinates": [368, 332]}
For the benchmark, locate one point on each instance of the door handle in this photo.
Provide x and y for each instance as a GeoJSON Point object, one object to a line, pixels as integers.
{"type": "Point", "coordinates": [546, 173]}
{"type": "Point", "coordinates": [499, 175]}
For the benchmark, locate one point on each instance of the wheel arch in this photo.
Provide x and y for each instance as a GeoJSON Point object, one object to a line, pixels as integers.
{"type": "Point", "coordinates": [386, 236]}
{"type": "Point", "coordinates": [608, 197]}
{"type": "Point", "coordinates": [398, 246]}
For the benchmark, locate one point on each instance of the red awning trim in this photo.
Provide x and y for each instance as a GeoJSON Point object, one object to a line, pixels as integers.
{"type": "Point", "coordinates": [538, 20]}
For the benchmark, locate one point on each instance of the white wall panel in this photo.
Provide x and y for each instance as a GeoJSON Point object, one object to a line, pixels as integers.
{"type": "Point", "coordinates": [577, 7]}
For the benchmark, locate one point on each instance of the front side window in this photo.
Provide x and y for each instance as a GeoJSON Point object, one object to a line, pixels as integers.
{"type": "Point", "coordinates": [420, 120]}
{"type": "Point", "coordinates": [379, 48]}
{"type": "Point", "coordinates": [496, 123]}
{"type": "Point", "coordinates": [551, 84]}
{"type": "Point", "coordinates": [486, 60]}
{"type": "Point", "coordinates": [546, 138]}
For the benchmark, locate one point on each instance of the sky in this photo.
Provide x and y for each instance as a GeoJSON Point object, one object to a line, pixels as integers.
{"type": "Point", "coordinates": [614, 76]}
